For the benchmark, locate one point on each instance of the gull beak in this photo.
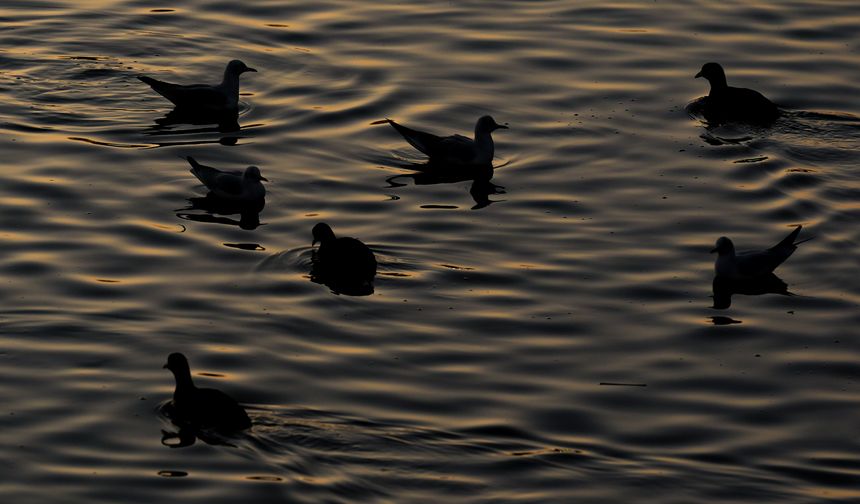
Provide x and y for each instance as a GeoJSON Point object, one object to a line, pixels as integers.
{"type": "Point", "coordinates": [263, 178]}
{"type": "Point", "coordinates": [164, 366]}
{"type": "Point", "coordinates": [250, 69]}
{"type": "Point", "coordinates": [501, 126]}
{"type": "Point", "coordinates": [698, 75]}
{"type": "Point", "coordinates": [713, 250]}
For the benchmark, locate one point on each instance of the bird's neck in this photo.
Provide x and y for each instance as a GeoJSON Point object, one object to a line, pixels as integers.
{"type": "Point", "coordinates": [484, 143]}
{"type": "Point", "coordinates": [183, 384]}
{"type": "Point", "coordinates": [230, 84]}
{"type": "Point", "coordinates": [718, 83]}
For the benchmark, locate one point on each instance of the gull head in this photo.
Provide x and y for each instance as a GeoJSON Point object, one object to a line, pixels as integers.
{"type": "Point", "coordinates": [236, 67]}
{"type": "Point", "coordinates": [177, 363]}
{"type": "Point", "coordinates": [712, 72]}
{"type": "Point", "coordinates": [252, 174]}
{"type": "Point", "coordinates": [723, 246]}
{"type": "Point", "coordinates": [322, 233]}
{"type": "Point", "coordinates": [487, 124]}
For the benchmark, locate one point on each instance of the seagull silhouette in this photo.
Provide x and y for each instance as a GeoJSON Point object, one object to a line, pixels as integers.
{"type": "Point", "coordinates": [236, 187]}
{"type": "Point", "coordinates": [454, 149]}
{"type": "Point", "coordinates": [204, 98]}
{"type": "Point", "coordinates": [754, 263]}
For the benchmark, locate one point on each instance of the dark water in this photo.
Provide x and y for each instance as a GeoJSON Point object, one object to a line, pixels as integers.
{"type": "Point", "coordinates": [474, 371]}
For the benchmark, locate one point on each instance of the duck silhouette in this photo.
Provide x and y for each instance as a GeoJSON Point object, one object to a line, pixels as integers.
{"type": "Point", "coordinates": [342, 261]}
{"type": "Point", "coordinates": [727, 104]}
{"type": "Point", "coordinates": [203, 407]}
{"type": "Point", "coordinates": [194, 99]}
{"type": "Point", "coordinates": [754, 263]}
{"type": "Point", "coordinates": [455, 149]}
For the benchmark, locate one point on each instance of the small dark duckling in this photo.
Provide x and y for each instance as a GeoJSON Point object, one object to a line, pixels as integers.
{"type": "Point", "coordinates": [345, 258]}
{"type": "Point", "coordinates": [203, 407]}
{"type": "Point", "coordinates": [726, 103]}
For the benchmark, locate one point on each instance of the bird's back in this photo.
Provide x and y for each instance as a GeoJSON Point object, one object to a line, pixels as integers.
{"type": "Point", "coordinates": [732, 103]}
{"type": "Point", "coordinates": [348, 257]}
{"type": "Point", "coordinates": [190, 96]}
{"type": "Point", "coordinates": [457, 149]}
{"type": "Point", "coordinates": [759, 262]}
{"type": "Point", "coordinates": [426, 143]}
{"type": "Point", "coordinates": [213, 408]}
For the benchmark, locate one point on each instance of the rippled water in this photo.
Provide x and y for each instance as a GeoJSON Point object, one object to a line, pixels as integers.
{"type": "Point", "coordinates": [474, 371]}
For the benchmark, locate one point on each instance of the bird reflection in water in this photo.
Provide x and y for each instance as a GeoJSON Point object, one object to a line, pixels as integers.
{"type": "Point", "coordinates": [226, 122]}
{"type": "Point", "coordinates": [724, 287]}
{"type": "Point", "coordinates": [186, 435]}
{"type": "Point", "coordinates": [216, 208]}
{"type": "Point", "coordinates": [212, 123]}
{"type": "Point", "coordinates": [433, 173]}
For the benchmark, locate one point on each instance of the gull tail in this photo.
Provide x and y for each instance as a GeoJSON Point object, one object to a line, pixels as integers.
{"type": "Point", "coordinates": [788, 241]}
{"type": "Point", "coordinates": [203, 173]}
{"type": "Point", "coordinates": [165, 89]}
{"type": "Point", "coordinates": [424, 142]}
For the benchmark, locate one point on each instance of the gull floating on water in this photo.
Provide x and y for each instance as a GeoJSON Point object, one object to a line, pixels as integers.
{"type": "Point", "coordinates": [753, 263]}
{"type": "Point", "coordinates": [235, 187]}
{"type": "Point", "coordinates": [726, 103]}
{"type": "Point", "coordinates": [204, 98]}
{"type": "Point", "coordinates": [203, 407]}
{"type": "Point", "coordinates": [454, 149]}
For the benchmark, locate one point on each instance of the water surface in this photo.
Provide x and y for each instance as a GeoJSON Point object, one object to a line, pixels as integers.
{"type": "Point", "coordinates": [473, 372]}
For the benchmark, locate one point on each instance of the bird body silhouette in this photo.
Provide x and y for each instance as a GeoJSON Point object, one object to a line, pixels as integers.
{"type": "Point", "coordinates": [345, 259]}
{"type": "Point", "coordinates": [726, 103]}
{"type": "Point", "coordinates": [236, 187]}
{"type": "Point", "coordinates": [454, 149]}
{"type": "Point", "coordinates": [203, 407]}
{"type": "Point", "coordinates": [754, 263]}
{"type": "Point", "coordinates": [204, 98]}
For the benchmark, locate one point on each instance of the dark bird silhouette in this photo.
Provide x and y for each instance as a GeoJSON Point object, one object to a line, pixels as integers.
{"type": "Point", "coordinates": [233, 186]}
{"type": "Point", "coordinates": [753, 263]}
{"type": "Point", "coordinates": [345, 260]}
{"type": "Point", "coordinates": [203, 98]}
{"type": "Point", "coordinates": [726, 103]}
{"type": "Point", "coordinates": [454, 149]}
{"type": "Point", "coordinates": [203, 407]}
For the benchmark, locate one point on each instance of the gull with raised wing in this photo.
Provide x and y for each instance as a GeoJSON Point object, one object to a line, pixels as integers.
{"type": "Point", "coordinates": [753, 263]}
{"type": "Point", "coordinates": [455, 149]}
{"type": "Point", "coordinates": [236, 187]}
{"type": "Point", "coordinates": [204, 98]}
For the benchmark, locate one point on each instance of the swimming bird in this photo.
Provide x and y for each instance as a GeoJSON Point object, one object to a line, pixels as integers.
{"type": "Point", "coordinates": [726, 103]}
{"type": "Point", "coordinates": [345, 259]}
{"type": "Point", "coordinates": [235, 187]}
{"type": "Point", "coordinates": [203, 407]}
{"type": "Point", "coordinates": [754, 263]}
{"type": "Point", "coordinates": [204, 98]}
{"type": "Point", "coordinates": [454, 149]}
